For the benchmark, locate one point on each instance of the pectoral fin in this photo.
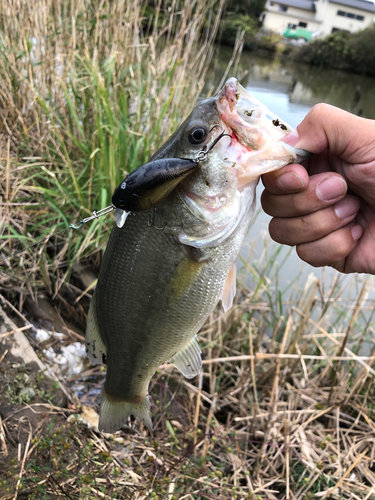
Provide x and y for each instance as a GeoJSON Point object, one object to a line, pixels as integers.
{"type": "Point", "coordinates": [188, 361]}
{"type": "Point", "coordinates": [183, 278]}
{"type": "Point", "coordinates": [95, 348]}
{"type": "Point", "coordinates": [229, 290]}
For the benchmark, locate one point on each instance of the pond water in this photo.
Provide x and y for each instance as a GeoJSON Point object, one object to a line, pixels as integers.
{"type": "Point", "coordinates": [290, 90]}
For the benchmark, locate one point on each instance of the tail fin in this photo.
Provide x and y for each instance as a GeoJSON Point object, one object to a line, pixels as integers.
{"type": "Point", "coordinates": [113, 414]}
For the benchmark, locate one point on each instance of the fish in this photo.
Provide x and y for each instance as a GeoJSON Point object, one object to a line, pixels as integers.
{"type": "Point", "coordinates": [171, 257]}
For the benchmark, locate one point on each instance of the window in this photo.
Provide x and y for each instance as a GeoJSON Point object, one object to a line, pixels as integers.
{"type": "Point", "coordinates": [302, 25]}
{"type": "Point", "coordinates": [350, 15]}
{"type": "Point", "coordinates": [272, 4]}
{"type": "Point", "coordinates": [339, 29]}
{"type": "Point", "coordinates": [283, 8]}
{"type": "Point", "coordinates": [292, 26]}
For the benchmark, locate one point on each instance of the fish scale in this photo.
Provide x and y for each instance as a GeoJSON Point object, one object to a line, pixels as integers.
{"type": "Point", "coordinates": [146, 259]}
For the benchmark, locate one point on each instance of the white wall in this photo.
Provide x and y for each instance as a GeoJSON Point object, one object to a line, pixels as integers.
{"type": "Point", "coordinates": [278, 21]}
{"type": "Point", "coordinates": [323, 20]}
{"type": "Point", "coordinates": [332, 20]}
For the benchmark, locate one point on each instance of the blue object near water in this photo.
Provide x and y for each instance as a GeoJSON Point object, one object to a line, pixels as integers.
{"type": "Point", "coordinates": [298, 33]}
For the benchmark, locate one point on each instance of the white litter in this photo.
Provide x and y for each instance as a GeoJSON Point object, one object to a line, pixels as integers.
{"type": "Point", "coordinates": [28, 392]}
{"type": "Point", "coordinates": [70, 359]}
{"type": "Point", "coordinates": [42, 335]}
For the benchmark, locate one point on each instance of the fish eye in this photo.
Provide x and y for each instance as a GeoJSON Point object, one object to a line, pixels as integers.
{"type": "Point", "coordinates": [197, 134]}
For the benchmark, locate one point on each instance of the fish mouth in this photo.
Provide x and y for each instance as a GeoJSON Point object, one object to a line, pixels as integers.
{"type": "Point", "coordinates": [252, 124]}
{"type": "Point", "coordinates": [211, 203]}
{"type": "Point", "coordinates": [247, 110]}
{"type": "Point", "coordinates": [250, 120]}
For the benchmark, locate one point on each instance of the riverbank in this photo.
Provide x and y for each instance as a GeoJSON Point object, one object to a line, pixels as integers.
{"type": "Point", "coordinates": [351, 52]}
{"type": "Point", "coordinates": [282, 409]}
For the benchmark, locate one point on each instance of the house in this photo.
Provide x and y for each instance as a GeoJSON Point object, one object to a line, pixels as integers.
{"type": "Point", "coordinates": [321, 16]}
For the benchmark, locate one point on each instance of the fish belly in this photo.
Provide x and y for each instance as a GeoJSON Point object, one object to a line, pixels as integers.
{"type": "Point", "coordinates": [153, 295]}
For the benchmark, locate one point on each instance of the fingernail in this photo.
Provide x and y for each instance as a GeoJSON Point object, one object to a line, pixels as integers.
{"type": "Point", "coordinates": [357, 232]}
{"type": "Point", "coordinates": [289, 182]}
{"type": "Point", "coordinates": [346, 207]}
{"type": "Point", "coordinates": [292, 138]}
{"type": "Point", "coordinates": [331, 188]}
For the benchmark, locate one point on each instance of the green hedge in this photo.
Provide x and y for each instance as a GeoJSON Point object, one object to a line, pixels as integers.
{"type": "Point", "coordinates": [341, 50]}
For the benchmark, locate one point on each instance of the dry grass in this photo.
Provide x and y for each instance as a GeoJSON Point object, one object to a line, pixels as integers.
{"type": "Point", "coordinates": [282, 410]}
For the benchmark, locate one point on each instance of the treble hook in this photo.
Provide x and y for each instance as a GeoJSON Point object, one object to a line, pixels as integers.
{"type": "Point", "coordinates": [152, 223]}
{"type": "Point", "coordinates": [202, 155]}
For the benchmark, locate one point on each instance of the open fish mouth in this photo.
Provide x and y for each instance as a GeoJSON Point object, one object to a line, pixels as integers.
{"type": "Point", "coordinates": [250, 110]}
{"type": "Point", "coordinates": [257, 146]}
{"type": "Point", "coordinates": [252, 123]}
{"type": "Point", "coordinates": [253, 148]}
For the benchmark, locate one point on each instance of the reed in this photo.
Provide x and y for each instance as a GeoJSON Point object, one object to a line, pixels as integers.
{"type": "Point", "coordinates": [91, 89]}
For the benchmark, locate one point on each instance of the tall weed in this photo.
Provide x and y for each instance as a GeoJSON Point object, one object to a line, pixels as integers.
{"type": "Point", "coordinates": [90, 90]}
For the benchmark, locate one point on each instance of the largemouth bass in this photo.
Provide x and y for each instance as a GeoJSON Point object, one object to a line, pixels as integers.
{"type": "Point", "coordinates": [167, 266]}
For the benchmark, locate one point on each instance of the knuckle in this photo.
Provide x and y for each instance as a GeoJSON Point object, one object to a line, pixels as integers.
{"type": "Point", "coordinates": [360, 174]}
{"type": "Point", "coordinates": [298, 204]}
{"type": "Point", "coordinates": [327, 251]}
{"type": "Point", "coordinates": [281, 231]}
{"type": "Point", "coordinates": [266, 202]}
{"type": "Point", "coordinates": [301, 204]}
{"type": "Point", "coordinates": [275, 230]}
{"type": "Point", "coordinates": [341, 246]}
{"type": "Point", "coordinates": [272, 204]}
{"type": "Point", "coordinates": [320, 110]}
{"type": "Point", "coordinates": [306, 252]}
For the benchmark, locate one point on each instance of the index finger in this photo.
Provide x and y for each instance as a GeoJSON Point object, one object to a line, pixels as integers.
{"type": "Point", "coordinates": [290, 179]}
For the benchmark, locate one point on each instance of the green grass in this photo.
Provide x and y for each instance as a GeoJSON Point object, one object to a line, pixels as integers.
{"type": "Point", "coordinates": [100, 89]}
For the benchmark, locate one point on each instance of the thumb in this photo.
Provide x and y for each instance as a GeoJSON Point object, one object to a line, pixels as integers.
{"type": "Point", "coordinates": [327, 128]}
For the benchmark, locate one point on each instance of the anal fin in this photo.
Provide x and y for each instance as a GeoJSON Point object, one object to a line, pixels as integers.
{"type": "Point", "coordinates": [95, 348]}
{"type": "Point", "coordinates": [229, 290]}
{"type": "Point", "coordinates": [114, 414]}
{"type": "Point", "coordinates": [188, 361]}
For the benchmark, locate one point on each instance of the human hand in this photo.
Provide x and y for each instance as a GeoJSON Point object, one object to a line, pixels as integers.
{"type": "Point", "coordinates": [328, 208]}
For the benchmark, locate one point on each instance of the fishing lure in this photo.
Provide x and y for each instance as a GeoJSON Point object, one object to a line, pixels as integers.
{"type": "Point", "coordinates": [152, 182]}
